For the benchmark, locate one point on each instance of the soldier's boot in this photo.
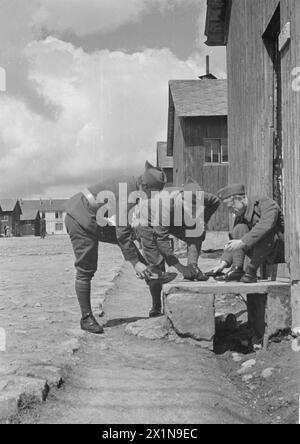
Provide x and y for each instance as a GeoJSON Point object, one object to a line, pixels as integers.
{"type": "Point", "coordinates": [250, 275]}
{"type": "Point", "coordinates": [88, 322]}
{"type": "Point", "coordinates": [155, 291]}
{"type": "Point", "coordinates": [234, 274]}
{"type": "Point", "coordinates": [90, 325]}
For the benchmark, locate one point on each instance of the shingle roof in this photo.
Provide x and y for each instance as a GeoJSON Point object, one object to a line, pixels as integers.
{"type": "Point", "coordinates": [49, 205]}
{"type": "Point", "coordinates": [195, 98]}
{"type": "Point", "coordinates": [29, 212]}
{"type": "Point", "coordinates": [163, 160]}
{"type": "Point", "coordinates": [8, 205]}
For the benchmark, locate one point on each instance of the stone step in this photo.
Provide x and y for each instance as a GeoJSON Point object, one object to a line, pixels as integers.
{"type": "Point", "coordinates": [190, 307]}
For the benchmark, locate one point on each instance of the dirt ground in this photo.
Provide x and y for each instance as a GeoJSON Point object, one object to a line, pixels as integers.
{"type": "Point", "coordinates": [118, 378]}
{"type": "Point", "coordinates": [123, 379]}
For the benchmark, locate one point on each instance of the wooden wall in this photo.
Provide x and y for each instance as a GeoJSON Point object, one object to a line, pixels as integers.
{"type": "Point", "coordinates": [290, 11]}
{"type": "Point", "coordinates": [251, 126]}
{"type": "Point", "coordinates": [189, 159]}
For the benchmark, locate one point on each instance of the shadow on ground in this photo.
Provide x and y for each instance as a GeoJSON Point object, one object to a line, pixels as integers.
{"type": "Point", "coordinates": [121, 321]}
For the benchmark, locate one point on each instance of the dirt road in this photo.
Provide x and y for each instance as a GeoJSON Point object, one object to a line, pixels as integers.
{"type": "Point", "coordinates": [122, 379]}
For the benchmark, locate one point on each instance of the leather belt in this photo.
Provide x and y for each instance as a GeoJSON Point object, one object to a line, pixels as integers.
{"type": "Point", "coordinates": [90, 198]}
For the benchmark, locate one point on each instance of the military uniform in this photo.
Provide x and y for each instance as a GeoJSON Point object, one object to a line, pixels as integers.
{"type": "Point", "coordinates": [85, 233]}
{"type": "Point", "coordinates": [156, 239]}
{"type": "Point", "coordinates": [261, 229]}
{"type": "Point", "coordinates": [84, 223]}
{"type": "Point", "coordinates": [43, 228]}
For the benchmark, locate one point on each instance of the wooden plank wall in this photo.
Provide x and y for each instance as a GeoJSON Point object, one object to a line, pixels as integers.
{"type": "Point", "coordinates": [189, 135]}
{"type": "Point", "coordinates": [250, 121]}
{"type": "Point", "coordinates": [178, 153]}
{"type": "Point", "coordinates": [290, 12]}
{"type": "Point", "coordinates": [215, 178]}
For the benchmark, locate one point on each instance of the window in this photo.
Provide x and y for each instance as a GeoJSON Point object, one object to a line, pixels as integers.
{"type": "Point", "coordinates": [59, 227]}
{"type": "Point", "coordinates": [58, 215]}
{"type": "Point", "coordinates": [216, 151]}
{"type": "Point", "coordinates": [4, 218]}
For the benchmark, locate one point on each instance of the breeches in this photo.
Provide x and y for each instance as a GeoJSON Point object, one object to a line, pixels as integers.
{"type": "Point", "coordinates": [194, 244]}
{"type": "Point", "coordinates": [85, 245]}
{"type": "Point", "coordinates": [270, 250]}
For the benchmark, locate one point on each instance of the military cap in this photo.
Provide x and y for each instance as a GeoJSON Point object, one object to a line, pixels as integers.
{"type": "Point", "coordinates": [153, 177]}
{"type": "Point", "coordinates": [236, 189]}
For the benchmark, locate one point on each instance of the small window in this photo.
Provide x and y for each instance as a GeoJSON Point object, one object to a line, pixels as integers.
{"type": "Point", "coordinates": [224, 151]}
{"type": "Point", "coordinates": [4, 218]}
{"type": "Point", "coordinates": [216, 151]}
{"type": "Point", "coordinates": [59, 227]}
{"type": "Point", "coordinates": [58, 215]}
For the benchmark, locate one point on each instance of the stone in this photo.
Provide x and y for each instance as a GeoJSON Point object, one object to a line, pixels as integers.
{"type": "Point", "coordinates": [8, 405]}
{"type": "Point", "coordinates": [267, 373]}
{"type": "Point", "coordinates": [20, 392]}
{"type": "Point", "coordinates": [296, 345]}
{"type": "Point", "coordinates": [279, 311]}
{"type": "Point", "coordinates": [296, 332]}
{"type": "Point", "coordinates": [32, 389]}
{"type": "Point", "coordinates": [246, 366]}
{"type": "Point", "coordinates": [191, 313]}
{"type": "Point", "coordinates": [153, 329]}
{"type": "Point", "coordinates": [247, 378]}
{"type": "Point", "coordinates": [236, 357]}
{"type": "Point", "coordinates": [53, 376]}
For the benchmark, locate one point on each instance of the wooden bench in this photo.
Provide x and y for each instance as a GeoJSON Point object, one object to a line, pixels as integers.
{"type": "Point", "coordinates": [190, 307]}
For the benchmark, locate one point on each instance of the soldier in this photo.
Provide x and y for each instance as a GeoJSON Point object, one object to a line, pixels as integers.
{"type": "Point", "coordinates": [258, 233]}
{"type": "Point", "coordinates": [83, 227]}
{"type": "Point", "coordinates": [43, 227]}
{"type": "Point", "coordinates": [155, 238]}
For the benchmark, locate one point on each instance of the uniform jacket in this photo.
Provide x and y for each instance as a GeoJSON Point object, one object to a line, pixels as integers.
{"type": "Point", "coordinates": [263, 216]}
{"type": "Point", "coordinates": [80, 209]}
{"type": "Point", "coordinates": [162, 231]}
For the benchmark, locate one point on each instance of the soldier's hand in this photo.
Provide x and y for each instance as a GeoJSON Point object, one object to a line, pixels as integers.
{"type": "Point", "coordinates": [188, 271]}
{"type": "Point", "coordinates": [141, 270]}
{"type": "Point", "coordinates": [234, 245]}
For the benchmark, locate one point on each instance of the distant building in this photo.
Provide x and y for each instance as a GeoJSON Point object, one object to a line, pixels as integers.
{"type": "Point", "coordinates": [197, 136]}
{"type": "Point", "coordinates": [53, 210]}
{"type": "Point", "coordinates": [30, 219]}
{"type": "Point", "coordinates": [165, 162]}
{"type": "Point", "coordinates": [10, 212]}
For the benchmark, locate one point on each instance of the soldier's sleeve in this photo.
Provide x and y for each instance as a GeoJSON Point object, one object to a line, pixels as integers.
{"type": "Point", "coordinates": [268, 220]}
{"type": "Point", "coordinates": [124, 231]}
{"type": "Point", "coordinates": [211, 204]}
{"type": "Point", "coordinates": [127, 245]}
{"type": "Point", "coordinates": [163, 243]}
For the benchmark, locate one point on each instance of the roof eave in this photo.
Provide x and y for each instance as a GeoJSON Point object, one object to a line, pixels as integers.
{"type": "Point", "coordinates": [217, 22]}
{"type": "Point", "coordinates": [171, 123]}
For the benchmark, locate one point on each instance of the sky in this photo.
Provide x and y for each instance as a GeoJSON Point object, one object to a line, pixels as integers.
{"type": "Point", "coordinates": [87, 87]}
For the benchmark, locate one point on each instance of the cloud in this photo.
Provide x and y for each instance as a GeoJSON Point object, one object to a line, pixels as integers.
{"type": "Point", "coordinates": [84, 17]}
{"type": "Point", "coordinates": [69, 117]}
{"type": "Point", "coordinates": [111, 111]}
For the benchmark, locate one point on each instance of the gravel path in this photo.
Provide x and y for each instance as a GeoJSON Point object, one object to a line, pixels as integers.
{"type": "Point", "coordinates": [122, 379]}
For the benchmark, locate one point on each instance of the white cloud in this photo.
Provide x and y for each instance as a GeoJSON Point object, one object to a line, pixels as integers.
{"type": "Point", "coordinates": [112, 111]}
{"type": "Point", "coordinates": [68, 115]}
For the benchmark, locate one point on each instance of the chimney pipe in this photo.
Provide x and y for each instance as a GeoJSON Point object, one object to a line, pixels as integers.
{"type": "Point", "coordinates": [207, 65]}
